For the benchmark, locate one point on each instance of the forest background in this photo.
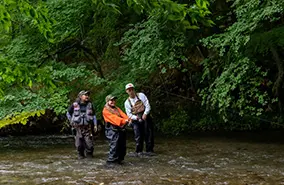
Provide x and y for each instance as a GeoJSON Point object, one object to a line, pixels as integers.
{"type": "Point", "coordinates": [205, 65]}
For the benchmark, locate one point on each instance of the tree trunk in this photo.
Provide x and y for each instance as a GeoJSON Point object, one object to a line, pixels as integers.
{"type": "Point", "coordinates": [277, 87]}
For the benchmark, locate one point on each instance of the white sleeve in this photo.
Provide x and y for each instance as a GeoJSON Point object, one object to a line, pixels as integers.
{"type": "Point", "coordinates": [128, 110]}
{"type": "Point", "coordinates": [145, 101]}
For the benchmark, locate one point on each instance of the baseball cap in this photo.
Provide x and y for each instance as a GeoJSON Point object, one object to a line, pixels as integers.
{"type": "Point", "coordinates": [129, 85]}
{"type": "Point", "coordinates": [83, 92]}
{"type": "Point", "coordinates": [110, 97]}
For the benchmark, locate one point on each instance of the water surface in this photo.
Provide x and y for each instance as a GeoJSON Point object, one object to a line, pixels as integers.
{"type": "Point", "coordinates": [194, 160]}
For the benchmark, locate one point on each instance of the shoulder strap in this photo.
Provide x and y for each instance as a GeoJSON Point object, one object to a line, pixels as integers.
{"type": "Point", "coordinates": [89, 105]}
{"type": "Point", "coordinates": [137, 95]}
{"type": "Point", "coordinates": [112, 111]}
{"type": "Point", "coordinates": [130, 102]}
{"type": "Point", "coordinates": [77, 105]}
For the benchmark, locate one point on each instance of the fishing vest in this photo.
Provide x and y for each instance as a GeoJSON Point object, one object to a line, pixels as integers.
{"type": "Point", "coordinates": [80, 118]}
{"type": "Point", "coordinates": [116, 112]}
{"type": "Point", "coordinates": [113, 110]}
{"type": "Point", "coordinates": [138, 107]}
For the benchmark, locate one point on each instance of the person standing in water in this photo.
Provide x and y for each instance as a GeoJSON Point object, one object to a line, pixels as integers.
{"type": "Point", "coordinates": [82, 118]}
{"type": "Point", "coordinates": [138, 109]}
{"type": "Point", "coordinates": [115, 122]}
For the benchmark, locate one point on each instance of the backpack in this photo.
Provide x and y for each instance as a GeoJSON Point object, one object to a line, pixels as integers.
{"type": "Point", "coordinates": [138, 107]}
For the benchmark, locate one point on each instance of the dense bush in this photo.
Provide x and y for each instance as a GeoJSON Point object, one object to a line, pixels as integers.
{"type": "Point", "coordinates": [220, 62]}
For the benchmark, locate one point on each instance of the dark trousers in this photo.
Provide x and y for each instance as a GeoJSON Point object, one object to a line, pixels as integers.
{"type": "Point", "coordinates": [117, 143]}
{"type": "Point", "coordinates": [84, 141]}
{"type": "Point", "coordinates": [144, 131]}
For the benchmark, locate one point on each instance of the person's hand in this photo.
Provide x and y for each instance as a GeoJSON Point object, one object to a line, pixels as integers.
{"type": "Point", "coordinates": [144, 117]}
{"type": "Point", "coordinates": [95, 128]}
{"type": "Point", "coordinates": [129, 123]}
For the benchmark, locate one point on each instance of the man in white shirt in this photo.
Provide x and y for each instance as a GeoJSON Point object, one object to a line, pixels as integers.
{"type": "Point", "coordinates": [137, 108]}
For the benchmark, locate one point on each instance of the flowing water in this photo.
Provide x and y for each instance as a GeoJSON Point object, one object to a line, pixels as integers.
{"type": "Point", "coordinates": [191, 160]}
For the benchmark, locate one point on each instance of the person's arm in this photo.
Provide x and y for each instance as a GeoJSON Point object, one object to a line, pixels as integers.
{"type": "Point", "coordinates": [95, 122]}
{"type": "Point", "coordinates": [146, 103]}
{"type": "Point", "coordinates": [69, 113]}
{"type": "Point", "coordinates": [68, 116]}
{"type": "Point", "coordinates": [128, 110]}
{"type": "Point", "coordinates": [113, 119]}
{"type": "Point", "coordinates": [94, 117]}
{"type": "Point", "coordinates": [122, 114]}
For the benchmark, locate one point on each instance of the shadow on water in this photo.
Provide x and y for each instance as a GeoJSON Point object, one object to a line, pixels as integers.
{"type": "Point", "coordinates": [232, 158]}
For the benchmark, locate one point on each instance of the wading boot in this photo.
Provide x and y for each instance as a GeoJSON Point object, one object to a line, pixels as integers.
{"type": "Point", "coordinates": [89, 155]}
{"type": "Point", "coordinates": [81, 155]}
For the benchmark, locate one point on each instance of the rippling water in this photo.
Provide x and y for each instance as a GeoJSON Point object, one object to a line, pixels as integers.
{"type": "Point", "coordinates": [198, 160]}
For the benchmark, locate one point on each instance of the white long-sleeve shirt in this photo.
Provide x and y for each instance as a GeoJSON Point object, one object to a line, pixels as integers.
{"type": "Point", "coordinates": [145, 101]}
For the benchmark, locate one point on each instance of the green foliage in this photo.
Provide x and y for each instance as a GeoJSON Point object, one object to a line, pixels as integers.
{"type": "Point", "coordinates": [251, 17]}
{"type": "Point", "coordinates": [238, 88]}
{"type": "Point", "coordinates": [176, 124]}
{"type": "Point", "coordinates": [30, 80]}
{"type": "Point", "coordinates": [238, 82]}
{"type": "Point", "coordinates": [22, 100]}
{"type": "Point", "coordinates": [24, 47]}
{"type": "Point", "coordinates": [150, 49]}
{"type": "Point", "coordinates": [71, 18]}
{"type": "Point", "coordinates": [50, 50]}
{"type": "Point", "coordinates": [10, 10]}
{"type": "Point", "coordinates": [20, 118]}
{"type": "Point", "coordinates": [12, 73]}
{"type": "Point", "coordinates": [189, 16]}
{"type": "Point", "coordinates": [262, 42]}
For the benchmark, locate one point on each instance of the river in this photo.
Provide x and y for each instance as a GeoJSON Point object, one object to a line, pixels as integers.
{"type": "Point", "coordinates": [179, 160]}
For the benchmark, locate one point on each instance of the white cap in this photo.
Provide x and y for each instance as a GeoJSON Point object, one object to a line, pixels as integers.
{"type": "Point", "coordinates": [129, 86]}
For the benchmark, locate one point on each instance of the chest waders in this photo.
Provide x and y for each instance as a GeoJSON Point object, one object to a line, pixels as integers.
{"type": "Point", "coordinates": [117, 140]}
{"type": "Point", "coordinates": [82, 120]}
{"type": "Point", "coordinates": [143, 130]}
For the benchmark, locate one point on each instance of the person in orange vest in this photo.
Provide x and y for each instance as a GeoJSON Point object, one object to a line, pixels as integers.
{"type": "Point", "coordinates": [115, 122]}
